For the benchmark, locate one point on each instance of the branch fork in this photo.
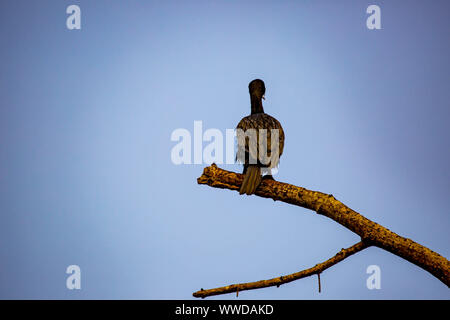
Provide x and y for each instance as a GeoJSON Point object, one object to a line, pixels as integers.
{"type": "Point", "coordinates": [371, 233]}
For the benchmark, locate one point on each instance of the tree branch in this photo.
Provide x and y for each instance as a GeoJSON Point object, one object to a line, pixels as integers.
{"type": "Point", "coordinates": [371, 233]}
{"type": "Point", "coordinates": [317, 269]}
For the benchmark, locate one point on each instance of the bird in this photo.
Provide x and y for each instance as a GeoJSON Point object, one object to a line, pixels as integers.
{"type": "Point", "coordinates": [260, 141]}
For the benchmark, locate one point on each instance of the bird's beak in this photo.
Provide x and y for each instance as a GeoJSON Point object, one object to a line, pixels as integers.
{"type": "Point", "coordinates": [264, 97]}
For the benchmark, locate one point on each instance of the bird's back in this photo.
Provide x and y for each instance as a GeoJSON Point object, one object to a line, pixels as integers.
{"type": "Point", "coordinates": [259, 121]}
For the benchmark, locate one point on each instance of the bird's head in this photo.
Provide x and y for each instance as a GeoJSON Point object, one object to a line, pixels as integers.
{"type": "Point", "coordinates": [257, 88]}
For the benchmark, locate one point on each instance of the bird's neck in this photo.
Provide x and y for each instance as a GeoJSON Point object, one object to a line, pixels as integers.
{"type": "Point", "coordinates": [257, 106]}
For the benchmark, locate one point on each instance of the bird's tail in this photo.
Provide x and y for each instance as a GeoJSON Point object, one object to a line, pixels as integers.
{"type": "Point", "coordinates": [252, 179]}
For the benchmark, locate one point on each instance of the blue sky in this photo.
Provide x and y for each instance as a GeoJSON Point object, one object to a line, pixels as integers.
{"type": "Point", "coordinates": [86, 118]}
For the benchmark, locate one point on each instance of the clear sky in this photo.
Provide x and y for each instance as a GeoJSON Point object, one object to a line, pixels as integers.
{"type": "Point", "coordinates": [86, 116]}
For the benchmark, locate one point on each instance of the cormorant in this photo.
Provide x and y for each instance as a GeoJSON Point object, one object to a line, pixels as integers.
{"type": "Point", "coordinates": [259, 150]}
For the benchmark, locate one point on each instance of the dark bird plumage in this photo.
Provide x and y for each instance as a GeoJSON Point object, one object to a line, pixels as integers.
{"type": "Point", "coordinates": [261, 155]}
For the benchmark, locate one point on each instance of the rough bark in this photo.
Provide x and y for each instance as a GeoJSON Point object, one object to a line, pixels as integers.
{"type": "Point", "coordinates": [371, 233]}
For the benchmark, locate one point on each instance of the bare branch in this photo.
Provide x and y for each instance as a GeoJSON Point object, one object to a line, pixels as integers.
{"type": "Point", "coordinates": [318, 279]}
{"type": "Point", "coordinates": [317, 269]}
{"type": "Point", "coordinates": [371, 233]}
